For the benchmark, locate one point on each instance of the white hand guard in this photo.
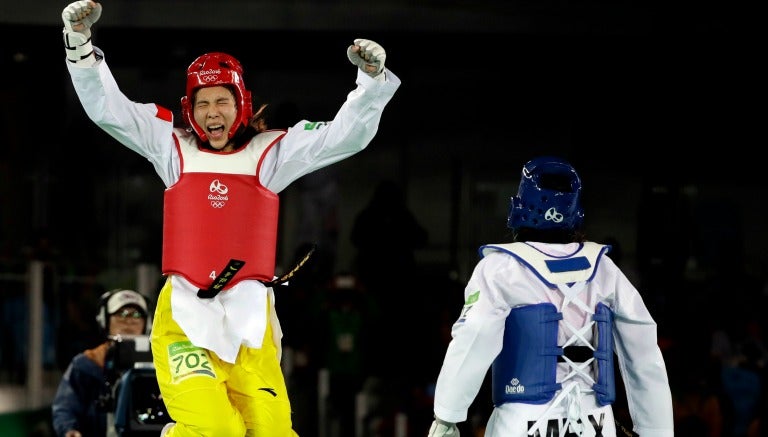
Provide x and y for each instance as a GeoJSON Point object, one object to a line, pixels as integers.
{"type": "Point", "coordinates": [78, 18]}
{"type": "Point", "coordinates": [441, 428]}
{"type": "Point", "coordinates": [368, 56]}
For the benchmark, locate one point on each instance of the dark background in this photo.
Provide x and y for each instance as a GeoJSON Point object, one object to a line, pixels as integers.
{"type": "Point", "coordinates": [657, 104]}
{"type": "Point", "coordinates": [630, 93]}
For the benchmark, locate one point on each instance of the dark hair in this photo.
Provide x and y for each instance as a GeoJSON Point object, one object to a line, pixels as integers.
{"type": "Point", "coordinates": [555, 236]}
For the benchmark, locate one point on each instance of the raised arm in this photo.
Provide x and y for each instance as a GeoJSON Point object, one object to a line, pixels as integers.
{"type": "Point", "coordinates": [145, 128]}
{"type": "Point", "coordinates": [78, 18]}
{"type": "Point", "coordinates": [309, 146]}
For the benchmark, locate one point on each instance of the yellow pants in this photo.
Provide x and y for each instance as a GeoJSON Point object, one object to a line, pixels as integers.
{"type": "Point", "coordinates": [209, 397]}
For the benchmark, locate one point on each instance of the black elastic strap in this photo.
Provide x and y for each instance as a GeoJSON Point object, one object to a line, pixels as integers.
{"type": "Point", "coordinates": [224, 277]}
{"type": "Point", "coordinates": [577, 354]}
{"type": "Point", "coordinates": [234, 265]}
{"type": "Point", "coordinates": [283, 279]}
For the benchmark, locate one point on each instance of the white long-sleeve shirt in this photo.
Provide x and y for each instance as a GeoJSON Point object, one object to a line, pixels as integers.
{"type": "Point", "coordinates": [306, 147]}
{"type": "Point", "coordinates": [505, 283]}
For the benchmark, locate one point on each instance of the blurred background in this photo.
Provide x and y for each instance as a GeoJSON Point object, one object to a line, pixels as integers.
{"type": "Point", "coordinates": [655, 103]}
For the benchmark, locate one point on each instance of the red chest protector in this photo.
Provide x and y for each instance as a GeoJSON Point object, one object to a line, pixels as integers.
{"type": "Point", "coordinates": [212, 217]}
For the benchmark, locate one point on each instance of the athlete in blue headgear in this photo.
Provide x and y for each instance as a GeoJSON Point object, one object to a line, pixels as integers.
{"type": "Point", "coordinates": [547, 313]}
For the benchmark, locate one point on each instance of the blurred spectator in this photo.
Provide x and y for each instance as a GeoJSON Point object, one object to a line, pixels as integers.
{"type": "Point", "coordinates": [301, 304]}
{"type": "Point", "coordinates": [696, 393]}
{"type": "Point", "coordinates": [743, 378]}
{"type": "Point", "coordinates": [386, 234]}
{"type": "Point", "coordinates": [319, 224]}
{"type": "Point", "coordinates": [345, 331]}
{"type": "Point", "coordinates": [79, 408]}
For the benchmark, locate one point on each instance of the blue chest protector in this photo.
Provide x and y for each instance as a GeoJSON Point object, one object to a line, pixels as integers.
{"type": "Point", "coordinates": [526, 368]}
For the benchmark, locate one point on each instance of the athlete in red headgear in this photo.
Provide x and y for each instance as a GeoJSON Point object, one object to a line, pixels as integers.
{"type": "Point", "coordinates": [215, 336]}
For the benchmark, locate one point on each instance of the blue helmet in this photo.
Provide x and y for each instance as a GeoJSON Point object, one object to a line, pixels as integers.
{"type": "Point", "coordinates": [549, 196]}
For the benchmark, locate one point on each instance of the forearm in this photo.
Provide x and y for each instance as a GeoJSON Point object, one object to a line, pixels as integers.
{"type": "Point", "coordinates": [356, 122]}
{"type": "Point", "coordinates": [309, 146]}
{"type": "Point", "coordinates": [138, 126]}
{"type": "Point", "coordinates": [64, 410]}
{"type": "Point", "coordinates": [645, 377]}
{"type": "Point", "coordinates": [143, 128]}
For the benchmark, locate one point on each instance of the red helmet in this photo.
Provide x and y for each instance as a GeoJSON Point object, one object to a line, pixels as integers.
{"type": "Point", "coordinates": [214, 69]}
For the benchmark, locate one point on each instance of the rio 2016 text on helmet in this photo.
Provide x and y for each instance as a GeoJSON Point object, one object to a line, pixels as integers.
{"type": "Point", "coordinates": [217, 69]}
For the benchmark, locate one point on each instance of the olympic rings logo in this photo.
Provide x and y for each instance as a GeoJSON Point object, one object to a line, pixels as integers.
{"type": "Point", "coordinates": [553, 215]}
{"type": "Point", "coordinates": [218, 204]}
{"type": "Point", "coordinates": [210, 78]}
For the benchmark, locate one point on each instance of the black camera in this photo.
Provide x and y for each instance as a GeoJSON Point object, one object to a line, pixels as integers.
{"type": "Point", "coordinates": [135, 401]}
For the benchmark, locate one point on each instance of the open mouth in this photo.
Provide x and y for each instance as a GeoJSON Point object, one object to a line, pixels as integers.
{"type": "Point", "coordinates": [215, 131]}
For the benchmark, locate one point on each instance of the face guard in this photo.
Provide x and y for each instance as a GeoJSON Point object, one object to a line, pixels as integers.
{"type": "Point", "coordinates": [549, 196]}
{"type": "Point", "coordinates": [217, 69]}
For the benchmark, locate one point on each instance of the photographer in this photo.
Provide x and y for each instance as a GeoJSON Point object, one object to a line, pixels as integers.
{"type": "Point", "coordinates": [78, 408]}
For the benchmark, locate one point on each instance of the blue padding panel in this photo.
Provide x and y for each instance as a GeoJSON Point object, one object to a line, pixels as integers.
{"type": "Point", "coordinates": [568, 265]}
